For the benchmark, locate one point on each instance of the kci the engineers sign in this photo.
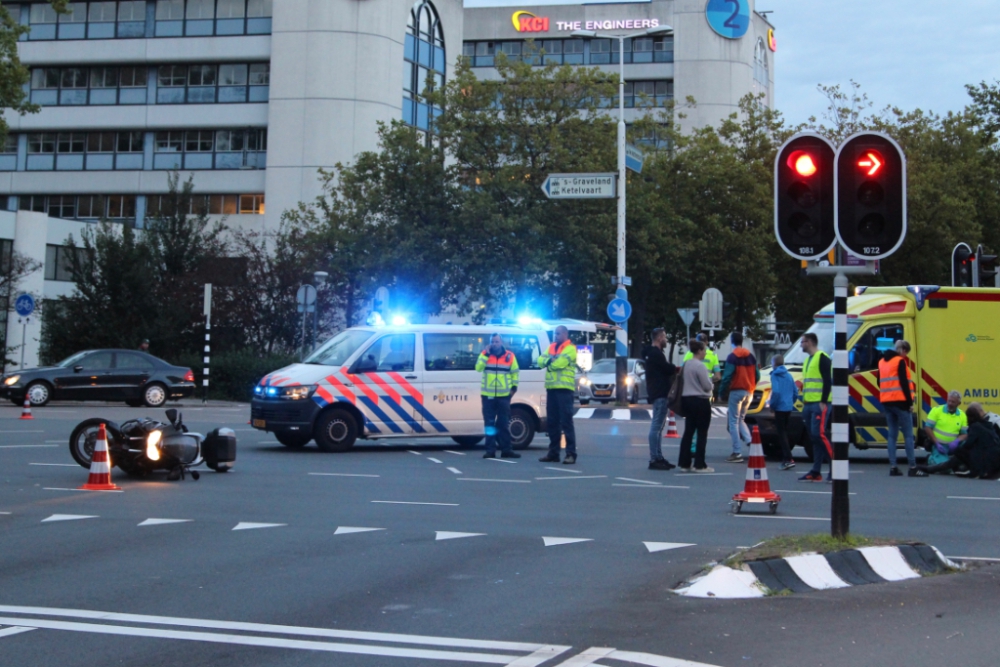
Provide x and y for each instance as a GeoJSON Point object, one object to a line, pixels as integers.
{"type": "Point", "coordinates": [527, 22]}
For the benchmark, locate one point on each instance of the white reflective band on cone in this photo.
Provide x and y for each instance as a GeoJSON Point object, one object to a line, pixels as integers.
{"type": "Point", "coordinates": [840, 470]}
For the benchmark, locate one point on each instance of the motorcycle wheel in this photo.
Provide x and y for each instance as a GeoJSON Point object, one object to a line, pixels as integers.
{"type": "Point", "coordinates": [84, 438]}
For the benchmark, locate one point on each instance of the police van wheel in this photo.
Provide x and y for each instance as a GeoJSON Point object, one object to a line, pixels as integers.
{"type": "Point", "coordinates": [522, 428]}
{"type": "Point", "coordinates": [467, 440]}
{"type": "Point", "coordinates": [336, 431]}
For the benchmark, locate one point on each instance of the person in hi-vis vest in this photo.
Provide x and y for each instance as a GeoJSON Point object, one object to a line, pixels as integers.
{"type": "Point", "coordinates": [499, 384]}
{"type": "Point", "coordinates": [559, 362]}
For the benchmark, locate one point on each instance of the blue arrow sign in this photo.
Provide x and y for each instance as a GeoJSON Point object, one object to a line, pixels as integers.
{"type": "Point", "coordinates": [24, 305]}
{"type": "Point", "coordinates": [619, 310]}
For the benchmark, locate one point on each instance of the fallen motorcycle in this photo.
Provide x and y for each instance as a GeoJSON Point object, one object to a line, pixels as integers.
{"type": "Point", "coordinates": [142, 446]}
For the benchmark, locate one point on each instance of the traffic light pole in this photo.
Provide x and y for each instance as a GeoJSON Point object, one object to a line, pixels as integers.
{"type": "Point", "coordinates": [840, 509]}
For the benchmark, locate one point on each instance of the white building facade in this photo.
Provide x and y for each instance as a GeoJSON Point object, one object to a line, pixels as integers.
{"type": "Point", "coordinates": [252, 97]}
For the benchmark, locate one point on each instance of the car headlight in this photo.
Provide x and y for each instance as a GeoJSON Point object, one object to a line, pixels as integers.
{"type": "Point", "coordinates": [297, 392]}
{"type": "Point", "coordinates": [628, 380]}
{"type": "Point", "coordinates": [584, 382]}
{"type": "Point", "coordinates": [11, 380]}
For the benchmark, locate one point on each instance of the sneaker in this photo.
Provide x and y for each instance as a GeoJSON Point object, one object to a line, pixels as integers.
{"type": "Point", "coordinates": [549, 459]}
{"type": "Point", "coordinates": [917, 472]}
{"type": "Point", "coordinates": [686, 469]}
{"type": "Point", "coordinates": [735, 458]}
{"type": "Point", "coordinates": [490, 455]}
{"type": "Point", "coordinates": [569, 460]}
{"type": "Point", "coordinates": [811, 477]}
{"type": "Point", "coordinates": [661, 464]}
{"type": "Point", "coordinates": [894, 472]}
{"type": "Point", "coordinates": [788, 465]}
{"type": "Point", "coordinates": [705, 469]}
{"type": "Point", "coordinates": [509, 455]}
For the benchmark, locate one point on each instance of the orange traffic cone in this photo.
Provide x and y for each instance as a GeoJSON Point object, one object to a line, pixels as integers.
{"type": "Point", "coordinates": [757, 488]}
{"type": "Point", "coordinates": [26, 410]}
{"type": "Point", "coordinates": [100, 466]}
{"type": "Point", "coordinates": [671, 426]}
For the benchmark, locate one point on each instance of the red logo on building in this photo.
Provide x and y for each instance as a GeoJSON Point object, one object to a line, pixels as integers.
{"type": "Point", "coordinates": [528, 22]}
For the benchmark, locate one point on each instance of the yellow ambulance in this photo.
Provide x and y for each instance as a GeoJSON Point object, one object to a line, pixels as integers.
{"type": "Point", "coordinates": [955, 336]}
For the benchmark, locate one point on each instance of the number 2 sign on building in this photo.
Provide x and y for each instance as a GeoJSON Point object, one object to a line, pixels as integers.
{"type": "Point", "coordinates": [729, 18]}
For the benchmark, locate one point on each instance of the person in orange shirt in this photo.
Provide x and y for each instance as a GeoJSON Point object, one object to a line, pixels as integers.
{"type": "Point", "coordinates": [741, 377]}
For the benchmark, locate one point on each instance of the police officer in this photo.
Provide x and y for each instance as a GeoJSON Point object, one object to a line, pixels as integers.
{"type": "Point", "coordinates": [817, 383]}
{"type": "Point", "coordinates": [559, 362]}
{"type": "Point", "coordinates": [499, 384]}
{"type": "Point", "coordinates": [711, 359]}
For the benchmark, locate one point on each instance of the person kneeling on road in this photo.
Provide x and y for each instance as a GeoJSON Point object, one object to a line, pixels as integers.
{"type": "Point", "coordinates": [499, 384]}
{"type": "Point", "coordinates": [979, 452]}
{"type": "Point", "coordinates": [659, 376]}
{"type": "Point", "coordinates": [946, 427]}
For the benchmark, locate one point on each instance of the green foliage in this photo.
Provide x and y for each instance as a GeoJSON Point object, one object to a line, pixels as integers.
{"type": "Point", "coordinates": [233, 374]}
{"type": "Point", "coordinates": [794, 545]}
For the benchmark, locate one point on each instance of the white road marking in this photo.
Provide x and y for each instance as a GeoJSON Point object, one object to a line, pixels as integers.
{"type": "Point", "coordinates": [623, 414]}
{"type": "Point", "coordinates": [58, 465]}
{"type": "Point", "coordinates": [455, 453]}
{"type": "Point", "coordinates": [654, 660]}
{"type": "Point", "coordinates": [6, 512]}
{"type": "Point", "coordinates": [990, 560]}
{"type": "Point", "coordinates": [702, 474]}
{"type": "Point", "coordinates": [59, 488]}
{"type": "Point", "coordinates": [775, 516]}
{"type": "Point", "coordinates": [557, 541]}
{"type": "Point", "coordinates": [588, 657]}
{"type": "Point", "coordinates": [340, 474]}
{"type": "Point", "coordinates": [500, 460]}
{"type": "Point", "coordinates": [38, 431]}
{"type": "Point", "coordinates": [24, 446]}
{"type": "Point", "coordinates": [433, 459]}
{"type": "Point", "coordinates": [575, 472]}
{"type": "Point", "coordinates": [584, 413]}
{"type": "Point", "coordinates": [404, 502]}
{"type": "Point", "coordinates": [448, 535]}
{"type": "Point", "coordinates": [971, 498]}
{"type": "Point", "coordinates": [68, 517]}
{"type": "Point", "coordinates": [480, 479]}
{"type": "Point", "coordinates": [580, 477]}
{"type": "Point", "coordinates": [249, 525]}
{"type": "Point", "coordinates": [640, 481]}
{"type": "Point", "coordinates": [650, 486]}
{"type": "Point", "coordinates": [413, 452]}
{"type": "Point", "coordinates": [347, 530]}
{"type": "Point", "coordinates": [163, 522]}
{"type": "Point", "coordinates": [455, 470]}
{"type": "Point", "coordinates": [15, 630]}
{"type": "Point", "coordinates": [58, 441]}
{"type": "Point", "coordinates": [665, 546]}
{"type": "Point", "coordinates": [822, 493]}
{"type": "Point", "coordinates": [544, 654]}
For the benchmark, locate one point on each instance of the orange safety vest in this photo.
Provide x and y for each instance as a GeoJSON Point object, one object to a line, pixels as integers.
{"type": "Point", "coordinates": [889, 388]}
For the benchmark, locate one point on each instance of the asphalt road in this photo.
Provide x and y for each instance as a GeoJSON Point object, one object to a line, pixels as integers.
{"type": "Point", "coordinates": [420, 553]}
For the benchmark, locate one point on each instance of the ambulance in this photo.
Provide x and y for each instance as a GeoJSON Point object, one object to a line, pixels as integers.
{"type": "Point", "coordinates": [406, 381]}
{"type": "Point", "coordinates": [955, 337]}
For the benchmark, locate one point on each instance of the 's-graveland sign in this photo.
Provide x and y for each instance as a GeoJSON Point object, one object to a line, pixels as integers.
{"type": "Point", "coordinates": [580, 186]}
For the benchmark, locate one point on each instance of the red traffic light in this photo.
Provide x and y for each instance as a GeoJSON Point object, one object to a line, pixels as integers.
{"type": "Point", "coordinates": [802, 163]}
{"type": "Point", "coordinates": [871, 162]}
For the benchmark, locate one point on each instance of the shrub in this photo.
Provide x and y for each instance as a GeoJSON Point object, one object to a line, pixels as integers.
{"type": "Point", "coordinates": [232, 375]}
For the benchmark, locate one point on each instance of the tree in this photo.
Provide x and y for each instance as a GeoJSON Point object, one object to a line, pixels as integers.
{"type": "Point", "coordinates": [14, 268]}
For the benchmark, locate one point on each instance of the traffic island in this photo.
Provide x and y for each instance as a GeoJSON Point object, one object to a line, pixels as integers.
{"type": "Point", "coordinates": [802, 564]}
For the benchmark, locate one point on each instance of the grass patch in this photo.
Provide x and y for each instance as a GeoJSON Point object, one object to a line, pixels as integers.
{"type": "Point", "coordinates": [794, 545]}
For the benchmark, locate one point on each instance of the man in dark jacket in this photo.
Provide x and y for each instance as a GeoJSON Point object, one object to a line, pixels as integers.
{"type": "Point", "coordinates": [659, 376]}
{"type": "Point", "coordinates": [980, 452]}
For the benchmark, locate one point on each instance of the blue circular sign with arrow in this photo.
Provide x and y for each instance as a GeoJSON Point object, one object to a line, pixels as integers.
{"type": "Point", "coordinates": [619, 310]}
{"type": "Point", "coordinates": [729, 18]}
{"type": "Point", "coordinates": [24, 305]}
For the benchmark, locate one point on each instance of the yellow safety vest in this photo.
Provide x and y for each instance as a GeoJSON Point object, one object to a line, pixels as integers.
{"type": "Point", "coordinates": [812, 379]}
{"type": "Point", "coordinates": [499, 373]}
{"type": "Point", "coordinates": [560, 373]}
{"type": "Point", "coordinates": [947, 426]}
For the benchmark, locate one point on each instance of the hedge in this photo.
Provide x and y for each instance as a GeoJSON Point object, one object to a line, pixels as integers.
{"type": "Point", "coordinates": [233, 375]}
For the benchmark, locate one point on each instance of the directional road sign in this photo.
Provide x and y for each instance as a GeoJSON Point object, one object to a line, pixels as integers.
{"type": "Point", "coordinates": [24, 305]}
{"type": "Point", "coordinates": [580, 186]}
{"type": "Point", "coordinates": [634, 158]}
{"type": "Point", "coordinates": [687, 315]}
{"type": "Point", "coordinates": [619, 310]}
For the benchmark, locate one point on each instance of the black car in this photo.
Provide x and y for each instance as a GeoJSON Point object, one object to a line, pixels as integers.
{"type": "Point", "coordinates": [102, 375]}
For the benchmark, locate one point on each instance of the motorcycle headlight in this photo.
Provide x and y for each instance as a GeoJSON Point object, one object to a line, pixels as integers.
{"type": "Point", "coordinates": [12, 380]}
{"type": "Point", "coordinates": [152, 442]}
{"type": "Point", "coordinates": [297, 393]}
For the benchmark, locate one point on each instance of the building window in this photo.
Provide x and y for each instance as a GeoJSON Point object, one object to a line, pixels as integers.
{"type": "Point", "coordinates": [75, 151]}
{"type": "Point", "coordinates": [571, 51]}
{"type": "Point", "coordinates": [58, 261]}
{"type": "Point", "coordinates": [761, 76]}
{"type": "Point", "coordinates": [211, 149]}
{"type": "Point", "coordinates": [81, 207]}
{"type": "Point", "coordinates": [251, 204]}
{"type": "Point", "coordinates": [424, 65]}
{"type": "Point", "coordinates": [207, 84]}
{"type": "Point", "coordinates": [52, 86]}
{"type": "Point", "coordinates": [640, 94]}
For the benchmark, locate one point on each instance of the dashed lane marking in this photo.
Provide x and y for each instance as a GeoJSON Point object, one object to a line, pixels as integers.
{"type": "Point", "coordinates": [500, 460]}
{"type": "Point", "coordinates": [69, 517]}
{"type": "Point", "coordinates": [33, 431]}
{"type": "Point", "coordinates": [340, 474]}
{"type": "Point", "coordinates": [575, 472]}
{"type": "Point", "coordinates": [640, 481]}
{"type": "Point", "coordinates": [481, 479]}
{"type": "Point", "coordinates": [448, 535]}
{"type": "Point", "coordinates": [347, 530]}
{"type": "Point", "coordinates": [653, 486]}
{"type": "Point", "coordinates": [248, 525]}
{"type": "Point", "coordinates": [59, 488]}
{"type": "Point", "coordinates": [455, 453]}
{"type": "Point", "coordinates": [821, 493]}
{"type": "Point", "coordinates": [971, 498]}
{"type": "Point", "coordinates": [455, 470]}
{"type": "Point", "coordinates": [702, 474]}
{"type": "Point", "coordinates": [25, 446]}
{"type": "Point", "coordinates": [580, 477]}
{"type": "Point", "coordinates": [58, 465]}
{"type": "Point", "coordinates": [433, 459]}
{"type": "Point", "coordinates": [413, 452]}
{"type": "Point", "coordinates": [559, 541]}
{"type": "Point", "coordinates": [653, 547]}
{"type": "Point", "coordinates": [163, 522]}
{"type": "Point", "coordinates": [776, 516]}
{"type": "Point", "coordinates": [407, 502]}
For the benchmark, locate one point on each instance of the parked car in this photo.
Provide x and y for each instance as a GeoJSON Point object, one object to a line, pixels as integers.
{"type": "Point", "coordinates": [131, 376]}
{"type": "Point", "coordinates": [598, 384]}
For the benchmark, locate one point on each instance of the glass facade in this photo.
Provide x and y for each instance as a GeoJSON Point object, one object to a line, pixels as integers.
{"type": "Point", "coordinates": [571, 51]}
{"type": "Point", "coordinates": [423, 66]}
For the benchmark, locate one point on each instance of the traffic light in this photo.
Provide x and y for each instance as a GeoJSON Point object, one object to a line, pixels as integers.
{"type": "Point", "coordinates": [961, 266]}
{"type": "Point", "coordinates": [871, 195]}
{"type": "Point", "coordinates": [804, 196]}
{"type": "Point", "coordinates": [986, 269]}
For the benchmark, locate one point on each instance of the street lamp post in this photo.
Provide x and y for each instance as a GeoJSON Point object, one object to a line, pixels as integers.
{"type": "Point", "coordinates": [319, 277]}
{"type": "Point", "coordinates": [621, 336]}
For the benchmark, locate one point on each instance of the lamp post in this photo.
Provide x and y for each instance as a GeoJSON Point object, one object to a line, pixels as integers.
{"type": "Point", "coordinates": [621, 336]}
{"type": "Point", "coordinates": [319, 278]}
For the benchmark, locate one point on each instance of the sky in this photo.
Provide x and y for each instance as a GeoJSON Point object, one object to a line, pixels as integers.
{"type": "Point", "coordinates": [905, 53]}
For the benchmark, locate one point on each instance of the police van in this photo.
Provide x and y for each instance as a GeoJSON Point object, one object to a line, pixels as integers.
{"type": "Point", "coordinates": [409, 381]}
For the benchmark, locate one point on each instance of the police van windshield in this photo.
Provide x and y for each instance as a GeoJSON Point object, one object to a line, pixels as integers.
{"type": "Point", "coordinates": [337, 350]}
{"type": "Point", "coordinates": [824, 333]}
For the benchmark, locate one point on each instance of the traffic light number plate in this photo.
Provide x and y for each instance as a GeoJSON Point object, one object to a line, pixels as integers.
{"type": "Point", "coordinates": [808, 250]}
{"type": "Point", "coordinates": [872, 250]}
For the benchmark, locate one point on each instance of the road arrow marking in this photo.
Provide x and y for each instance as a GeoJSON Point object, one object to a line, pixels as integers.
{"type": "Point", "coordinates": [446, 535]}
{"type": "Point", "coordinates": [347, 530]}
{"type": "Point", "coordinates": [69, 517]}
{"type": "Point", "coordinates": [665, 546]}
{"type": "Point", "coordinates": [557, 541]}
{"type": "Point", "coordinates": [163, 522]}
{"type": "Point", "coordinates": [246, 525]}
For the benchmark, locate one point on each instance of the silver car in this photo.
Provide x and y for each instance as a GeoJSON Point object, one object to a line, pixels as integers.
{"type": "Point", "coordinates": [598, 384]}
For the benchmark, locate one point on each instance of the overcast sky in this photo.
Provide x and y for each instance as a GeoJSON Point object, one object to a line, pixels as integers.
{"type": "Point", "coordinates": [907, 53]}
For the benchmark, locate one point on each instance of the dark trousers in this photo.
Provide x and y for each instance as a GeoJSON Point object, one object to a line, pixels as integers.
{"type": "Point", "coordinates": [697, 417]}
{"type": "Point", "coordinates": [496, 417]}
{"type": "Point", "coordinates": [559, 407]}
{"type": "Point", "coordinates": [781, 426]}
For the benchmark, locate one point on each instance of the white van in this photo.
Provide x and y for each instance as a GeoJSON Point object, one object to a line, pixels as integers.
{"type": "Point", "coordinates": [410, 381]}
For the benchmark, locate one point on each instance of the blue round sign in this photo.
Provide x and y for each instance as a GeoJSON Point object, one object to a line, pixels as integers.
{"type": "Point", "coordinates": [729, 18]}
{"type": "Point", "coordinates": [24, 305]}
{"type": "Point", "coordinates": [619, 310]}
